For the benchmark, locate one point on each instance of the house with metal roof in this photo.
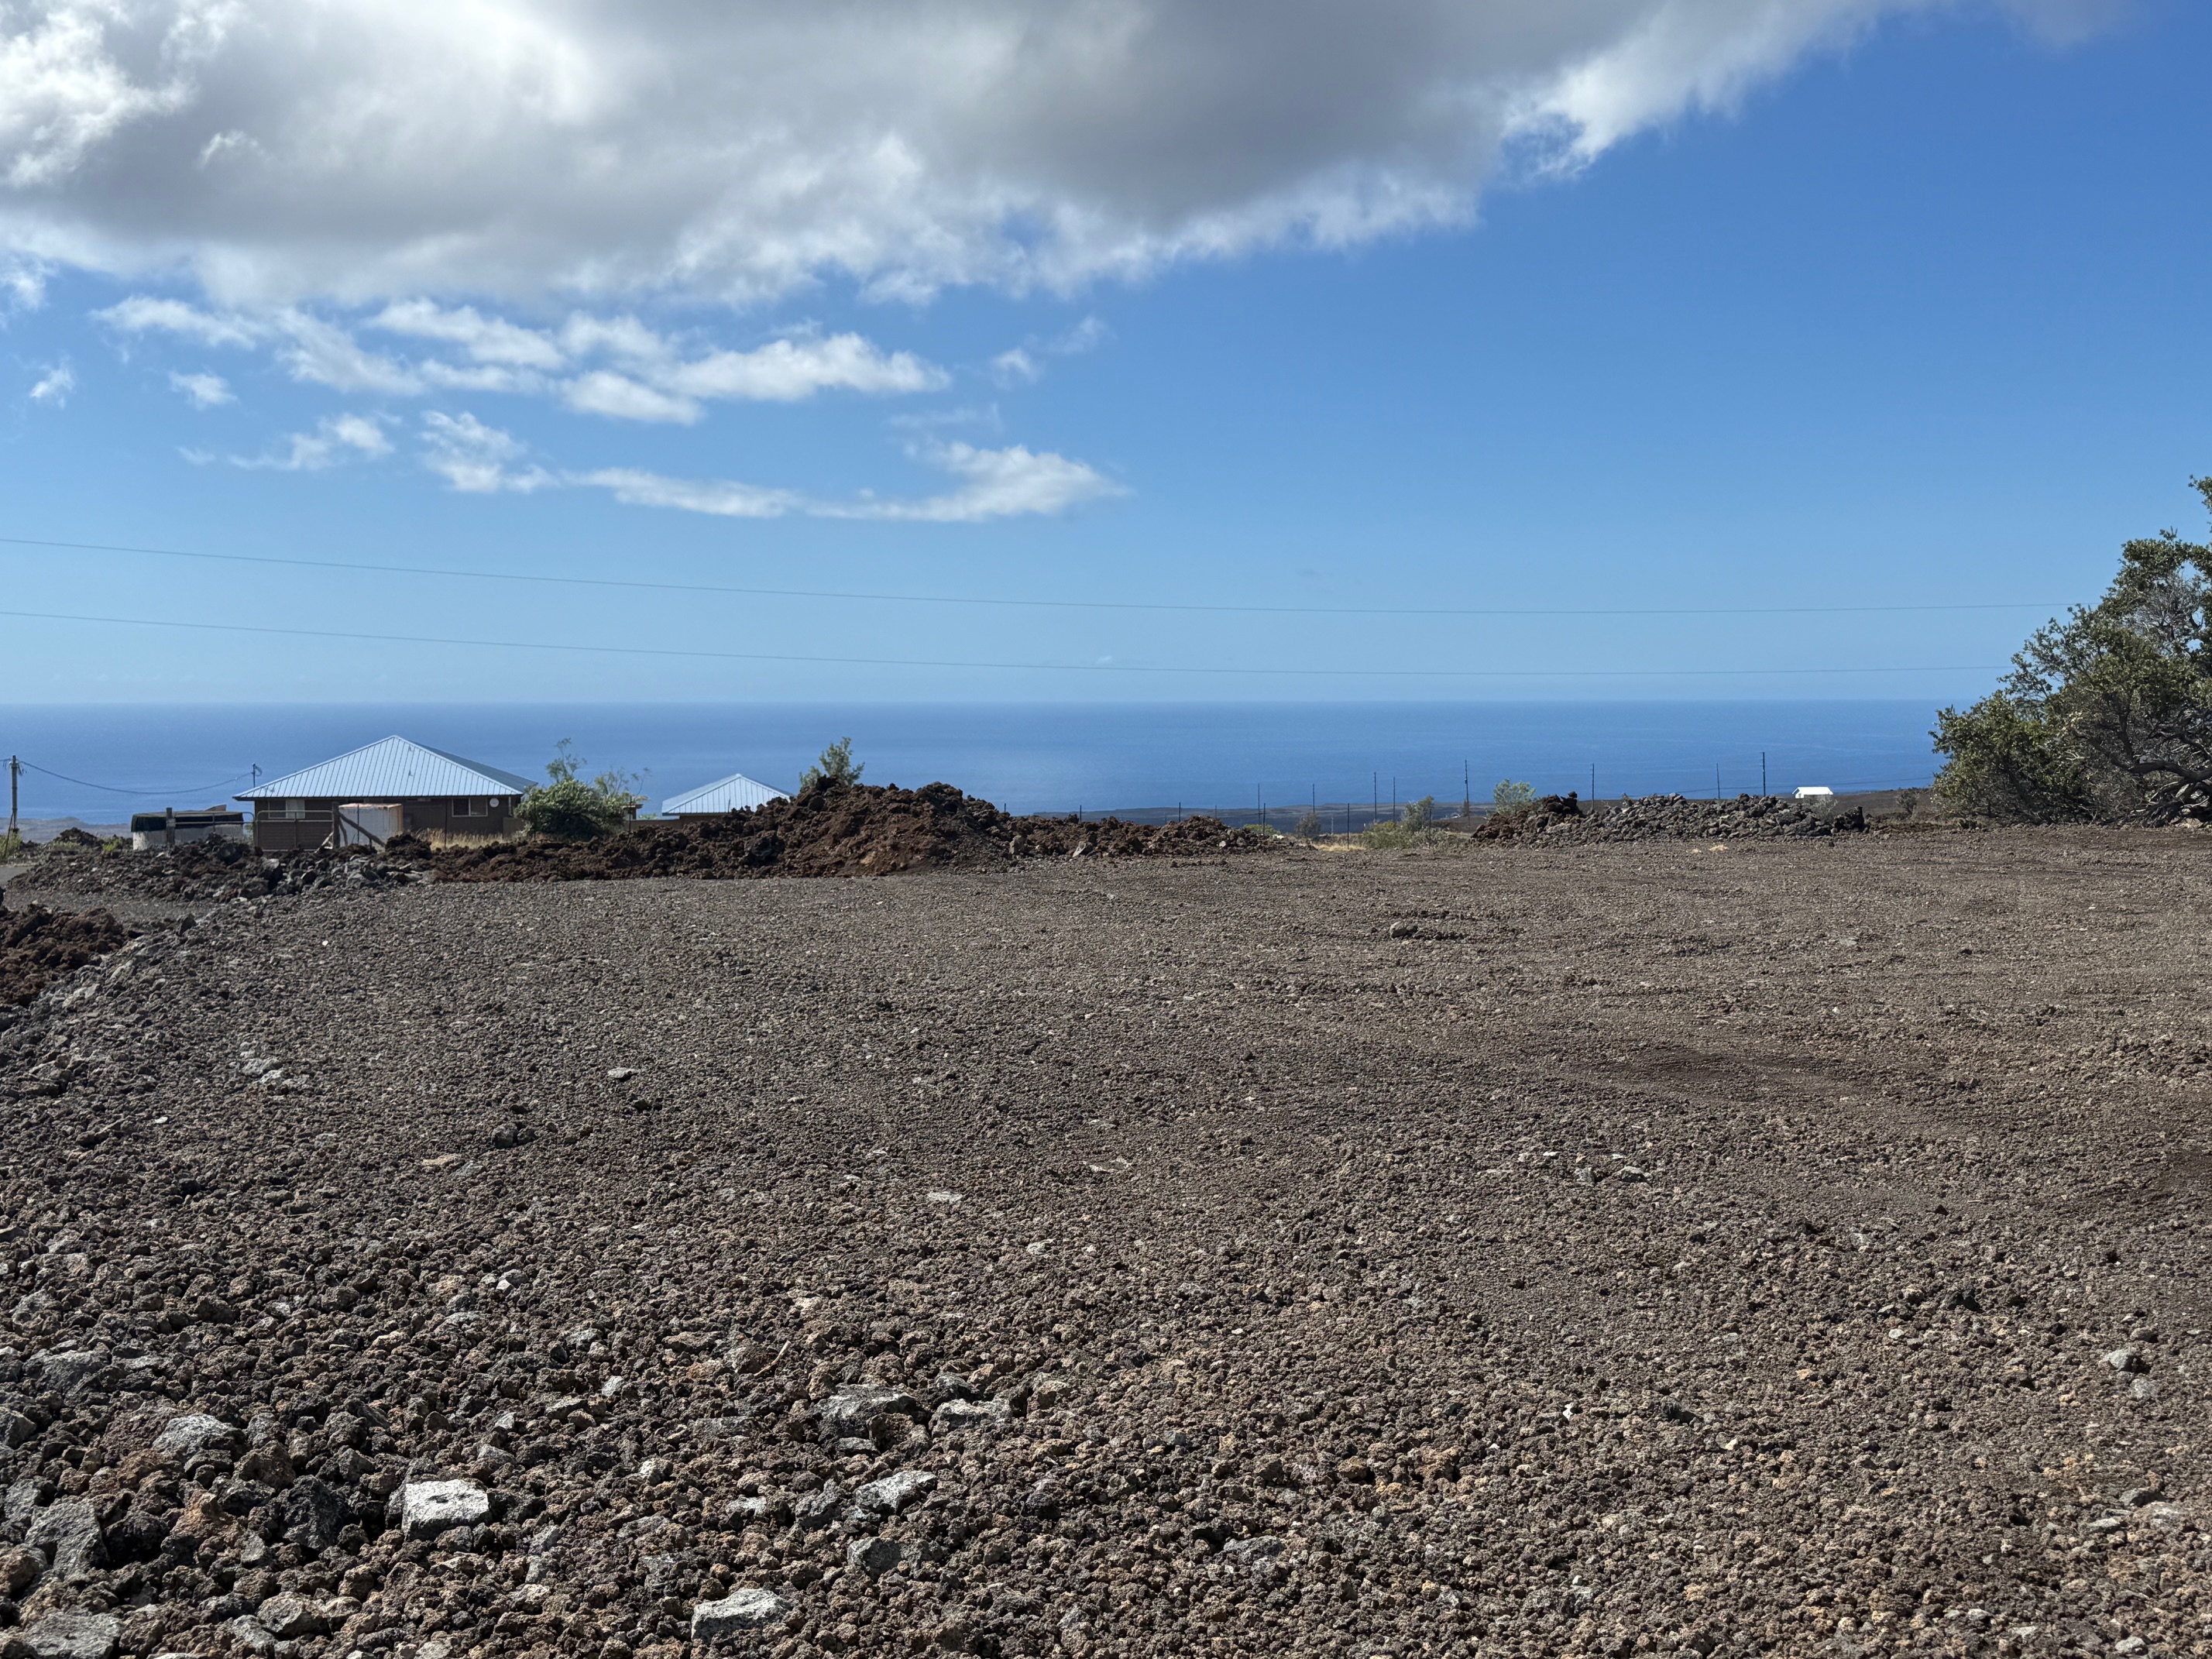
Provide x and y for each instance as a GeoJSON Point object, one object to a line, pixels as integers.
{"type": "Point", "coordinates": [735, 793]}
{"type": "Point", "coordinates": [382, 789]}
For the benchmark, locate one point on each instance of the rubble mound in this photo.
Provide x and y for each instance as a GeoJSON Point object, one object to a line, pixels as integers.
{"type": "Point", "coordinates": [828, 829]}
{"type": "Point", "coordinates": [1668, 817]}
{"type": "Point", "coordinates": [39, 947]}
{"type": "Point", "coordinates": [204, 870]}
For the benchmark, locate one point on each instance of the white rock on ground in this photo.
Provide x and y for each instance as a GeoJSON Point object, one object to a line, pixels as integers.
{"type": "Point", "coordinates": [427, 1507]}
{"type": "Point", "coordinates": [742, 1610]}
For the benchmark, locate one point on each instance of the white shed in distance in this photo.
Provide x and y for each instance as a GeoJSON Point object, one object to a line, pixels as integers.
{"type": "Point", "coordinates": [1815, 791]}
{"type": "Point", "coordinates": [735, 793]}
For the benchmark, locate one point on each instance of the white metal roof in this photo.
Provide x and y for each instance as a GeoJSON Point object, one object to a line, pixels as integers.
{"type": "Point", "coordinates": [735, 793]}
{"type": "Point", "coordinates": [391, 769]}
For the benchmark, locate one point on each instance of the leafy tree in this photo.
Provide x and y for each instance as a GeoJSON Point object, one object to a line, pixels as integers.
{"type": "Point", "coordinates": [1422, 813]}
{"type": "Point", "coordinates": [1511, 797]}
{"type": "Point", "coordinates": [565, 808]}
{"type": "Point", "coordinates": [835, 766]}
{"type": "Point", "coordinates": [2107, 714]}
{"type": "Point", "coordinates": [1308, 826]}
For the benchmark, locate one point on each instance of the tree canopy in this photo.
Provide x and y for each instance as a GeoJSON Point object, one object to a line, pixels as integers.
{"type": "Point", "coordinates": [2107, 713]}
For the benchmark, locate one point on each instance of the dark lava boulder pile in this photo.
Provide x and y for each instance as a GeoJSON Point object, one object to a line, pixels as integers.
{"type": "Point", "coordinates": [39, 947]}
{"type": "Point", "coordinates": [829, 830]}
{"type": "Point", "coordinates": [1559, 820]}
{"type": "Point", "coordinates": [74, 863]}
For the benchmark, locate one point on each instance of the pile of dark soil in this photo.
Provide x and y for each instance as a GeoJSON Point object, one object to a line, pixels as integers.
{"type": "Point", "coordinates": [1533, 819]}
{"type": "Point", "coordinates": [829, 830]}
{"type": "Point", "coordinates": [39, 947]}
{"type": "Point", "coordinates": [216, 869]}
{"type": "Point", "coordinates": [1562, 820]}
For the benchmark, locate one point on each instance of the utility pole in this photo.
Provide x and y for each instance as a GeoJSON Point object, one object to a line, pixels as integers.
{"type": "Point", "coordinates": [1466, 790]}
{"type": "Point", "coordinates": [1717, 781]}
{"type": "Point", "coordinates": [1593, 793]}
{"type": "Point", "coordinates": [14, 771]}
{"type": "Point", "coordinates": [1762, 771]}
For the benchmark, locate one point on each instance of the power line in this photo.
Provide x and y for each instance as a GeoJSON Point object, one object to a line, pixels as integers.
{"type": "Point", "coordinates": [181, 789]}
{"type": "Point", "coordinates": [932, 662]}
{"type": "Point", "coordinates": [1039, 604]}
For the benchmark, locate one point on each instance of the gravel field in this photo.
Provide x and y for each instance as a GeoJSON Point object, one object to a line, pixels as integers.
{"type": "Point", "coordinates": [1790, 1249]}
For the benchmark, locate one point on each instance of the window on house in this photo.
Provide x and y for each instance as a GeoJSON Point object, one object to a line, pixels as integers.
{"type": "Point", "coordinates": [467, 809]}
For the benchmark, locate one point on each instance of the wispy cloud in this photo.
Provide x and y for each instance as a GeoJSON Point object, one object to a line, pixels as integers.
{"type": "Point", "coordinates": [339, 439]}
{"type": "Point", "coordinates": [719, 497]}
{"type": "Point", "coordinates": [54, 386]}
{"type": "Point", "coordinates": [1024, 364]}
{"type": "Point", "coordinates": [204, 391]}
{"type": "Point", "coordinates": [655, 377]}
{"type": "Point", "coordinates": [997, 483]}
{"type": "Point", "coordinates": [477, 459]}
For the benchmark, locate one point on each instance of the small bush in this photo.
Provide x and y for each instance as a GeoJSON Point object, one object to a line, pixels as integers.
{"type": "Point", "coordinates": [565, 808]}
{"type": "Point", "coordinates": [835, 766]}
{"type": "Point", "coordinates": [1308, 828]}
{"type": "Point", "coordinates": [1511, 797]}
{"type": "Point", "coordinates": [13, 847]}
{"type": "Point", "coordinates": [1421, 814]}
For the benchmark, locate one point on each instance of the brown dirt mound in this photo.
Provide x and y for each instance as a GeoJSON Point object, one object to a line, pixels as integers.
{"type": "Point", "coordinates": [39, 947]}
{"type": "Point", "coordinates": [830, 829]}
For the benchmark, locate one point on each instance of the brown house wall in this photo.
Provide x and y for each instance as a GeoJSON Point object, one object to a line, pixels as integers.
{"type": "Point", "coordinates": [420, 816]}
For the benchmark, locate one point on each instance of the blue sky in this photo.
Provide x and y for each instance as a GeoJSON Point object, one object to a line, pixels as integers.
{"type": "Point", "coordinates": [1906, 312]}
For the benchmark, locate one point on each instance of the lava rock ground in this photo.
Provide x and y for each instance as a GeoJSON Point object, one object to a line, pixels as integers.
{"type": "Point", "coordinates": [1795, 1250]}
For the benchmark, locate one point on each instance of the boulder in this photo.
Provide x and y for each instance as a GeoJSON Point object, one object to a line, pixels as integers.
{"type": "Point", "coordinates": [74, 1636]}
{"type": "Point", "coordinates": [68, 1534]}
{"type": "Point", "coordinates": [423, 1509]}
{"type": "Point", "coordinates": [891, 1494]}
{"type": "Point", "coordinates": [186, 1438]}
{"type": "Point", "coordinates": [742, 1610]}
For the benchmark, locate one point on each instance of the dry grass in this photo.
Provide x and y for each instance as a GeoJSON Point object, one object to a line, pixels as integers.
{"type": "Point", "coordinates": [440, 840]}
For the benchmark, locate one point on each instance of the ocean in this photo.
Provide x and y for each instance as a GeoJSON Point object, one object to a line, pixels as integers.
{"type": "Point", "coordinates": [99, 762]}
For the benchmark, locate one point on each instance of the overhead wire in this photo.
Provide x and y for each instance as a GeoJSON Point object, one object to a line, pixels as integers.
{"type": "Point", "coordinates": [1301, 672]}
{"type": "Point", "coordinates": [1026, 603]}
{"type": "Point", "coordinates": [118, 789]}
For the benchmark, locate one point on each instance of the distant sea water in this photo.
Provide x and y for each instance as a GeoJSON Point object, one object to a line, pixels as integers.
{"type": "Point", "coordinates": [99, 762]}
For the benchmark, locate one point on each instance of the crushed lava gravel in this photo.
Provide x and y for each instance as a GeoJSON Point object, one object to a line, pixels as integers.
{"type": "Point", "coordinates": [1796, 1250]}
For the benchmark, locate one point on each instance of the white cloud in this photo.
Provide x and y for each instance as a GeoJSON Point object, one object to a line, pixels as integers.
{"type": "Point", "coordinates": [723, 499]}
{"type": "Point", "coordinates": [606, 393]}
{"type": "Point", "coordinates": [336, 438]}
{"type": "Point", "coordinates": [204, 391]}
{"type": "Point", "coordinates": [23, 284]}
{"type": "Point", "coordinates": [787, 371]}
{"type": "Point", "coordinates": [1023, 365]}
{"type": "Point", "coordinates": [485, 339]}
{"type": "Point", "coordinates": [144, 315]}
{"type": "Point", "coordinates": [55, 385]}
{"type": "Point", "coordinates": [998, 483]}
{"type": "Point", "coordinates": [660, 379]}
{"type": "Point", "coordinates": [1017, 367]}
{"type": "Point", "coordinates": [373, 150]}
{"type": "Point", "coordinates": [475, 458]}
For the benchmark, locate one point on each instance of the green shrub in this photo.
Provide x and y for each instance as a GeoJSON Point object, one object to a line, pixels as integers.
{"type": "Point", "coordinates": [1511, 797]}
{"type": "Point", "coordinates": [1308, 828]}
{"type": "Point", "coordinates": [565, 808]}
{"type": "Point", "coordinates": [835, 766]}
